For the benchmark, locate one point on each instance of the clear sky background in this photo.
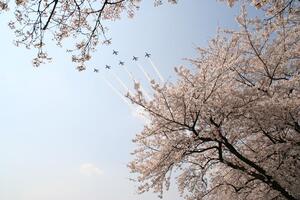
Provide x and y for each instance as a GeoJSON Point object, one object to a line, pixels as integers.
{"type": "Point", "coordinates": [66, 135]}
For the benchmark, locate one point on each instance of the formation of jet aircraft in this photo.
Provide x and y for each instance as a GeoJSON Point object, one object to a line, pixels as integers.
{"type": "Point", "coordinates": [116, 52]}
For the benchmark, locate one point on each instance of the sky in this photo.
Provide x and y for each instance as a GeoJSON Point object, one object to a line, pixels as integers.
{"type": "Point", "coordinates": [67, 135]}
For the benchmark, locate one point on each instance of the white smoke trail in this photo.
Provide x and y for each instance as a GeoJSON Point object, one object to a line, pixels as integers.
{"type": "Point", "coordinates": [117, 92]}
{"type": "Point", "coordinates": [145, 93]}
{"type": "Point", "coordinates": [144, 72]}
{"type": "Point", "coordinates": [156, 70]}
{"type": "Point", "coordinates": [136, 82]}
{"type": "Point", "coordinates": [121, 82]}
{"type": "Point", "coordinates": [129, 73]}
{"type": "Point", "coordinates": [138, 86]}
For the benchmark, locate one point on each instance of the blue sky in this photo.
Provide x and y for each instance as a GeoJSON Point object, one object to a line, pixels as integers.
{"type": "Point", "coordinates": [66, 135]}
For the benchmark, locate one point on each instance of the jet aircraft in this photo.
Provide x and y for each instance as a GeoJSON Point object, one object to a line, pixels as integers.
{"type": "Point", "coordinates": [107, 66]}
{"type": "Point", "coordinates": [147, 55]}
{"type": "Point", "coordinates": [135, 58]}
{"type": "Point", "coordinates": [115, 52]}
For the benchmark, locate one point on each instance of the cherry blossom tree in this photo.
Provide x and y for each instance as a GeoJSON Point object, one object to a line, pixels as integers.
{"type": "Point", "coordinates": [82, 20]}
{"type": "Point", "coordinates": [229, 128]}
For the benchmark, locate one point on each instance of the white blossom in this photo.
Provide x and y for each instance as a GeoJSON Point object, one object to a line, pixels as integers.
{"type": "Point", "coordinates": [231, 130]}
